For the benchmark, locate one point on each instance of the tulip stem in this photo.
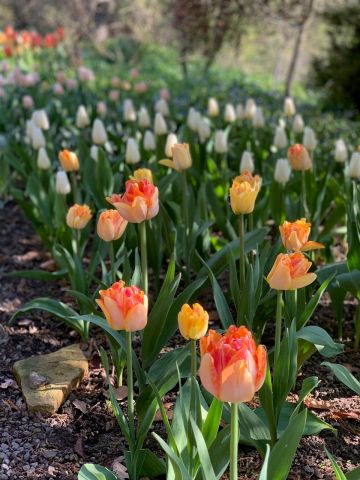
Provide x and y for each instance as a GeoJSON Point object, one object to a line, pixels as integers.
{"type": "Point", "coordinates": [234, 440]}
{"type": "Point", "coordinates": [184, 201]}
{"type": "Point", "coordinates": [75, 190]}
{"type": "Point", "coordinates": [278, 326]}
{"type": "Point", "coordinates": [193, 358]}
{"type": "Point", "coordinates": [112, 262]}
{"type": "Point", "coordinates": [130, 384]}
{"type": "Point", "coordinates": [303, 194]}
{"type": "Point", "coordinates": [242, 252]}
{"type": "Point", "coordinates": [143, 248]}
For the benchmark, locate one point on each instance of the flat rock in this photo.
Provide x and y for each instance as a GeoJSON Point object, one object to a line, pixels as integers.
{"type": "Point", "coordinates": [63, 370]}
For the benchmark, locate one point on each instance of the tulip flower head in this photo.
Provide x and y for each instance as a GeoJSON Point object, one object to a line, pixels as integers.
{"type": "Point", "coordinates": [41, 120]}
{"type": "Point", "coordinates": [250, 108]}
{"type": "Point", "coordinates": [37, 137]}
{"type": "Point", "coordinates": [94, 152]}
{"type": "Point", "coordinates": [280, 138]}
{"type": "Point", "coordinates": [181, 157]}
{"type": "Point", "coordinates": [229, 113]}
{"type": "Point", "coordinates": [298, 124]}
{"type": "Point", "coordinates": [309, 139]}
{"type": "Point", "coordinates": [132, 153]}
{"type": "Point", "coordinates": [160, 127]}
{"type": "Point", "coordinates": [161, 106]}
{"type": "Point", "coordinates": [149, 141]}
{"type": "Point", "coordinates": [82, 117]}
{"type": "Point", "coordinates": [125, 308]}
{"type": "Point", "coordinates": [129, 111]}
{"type": "Point", "coordinates": [62, 184]}
{"type": "Point", "coordinates": [295, 236]}
{"type": "Point", "coordinates": [171, 140]}
{"type": "Point", "coordinates": [139, 202]}
{"type": "Point", "coordinates": [27, 101]}
{"type": "Point", "coordinates": [247, 162]}
{"type": "Point", "coordinates": [213, 107]}
{"type": "Point", "coordinates": [299, 157]}
{"type": "Point", "coordinates": [204, 130]}
{"type": "Point", "coordinates": [353, 170]}
{"type": "Point", "coordinates": [111, 225]}
{"type": "Point", "coordinates": [341, 153]}
{"type": "Point", "coordinates": [220, 143]}
{"type": "Point", "coordinates": [243, 193]}
{"type": "Point", "coordinates": [232, 367]}
{"type": "Point", "coordinates": [144, 118]}
{"type": "Point", "coordinates": [193, 321]}
{"type": "Point", "coordinates": [258, 120]}
{"type": "Point", "coordinates": [143, 174]}
{"type": "Point", "coordinates": [240, 111]}
{"type": "Point", "coordinates": [193, 119]}
{"type": "Point", "coordinates": [290, 272]}
{"type": "Point", "coordinates": [78, 216]}
{"type": "Point", "coordinates": [98, 133]}
{"type": "Point", "coordinates": [289, 107]}
{"type": "Point", "coordinates": [282, 171]}
{"type": "Point", "coordinates": [69, 161]}
{"type": "Point", "coordinates": [43, 160]}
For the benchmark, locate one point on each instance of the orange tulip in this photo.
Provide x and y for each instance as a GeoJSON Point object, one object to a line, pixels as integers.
{"type": "Point", "coordinates": [141, 174]}
{"type": "Point", "coordinates": [243, 193]}
{"type": "Point", "coordinates": [69, 161]}
{"type": "Point", "coordinates": [193, 321]}
{"type": "Point", "coordinates": [78, 216]}
{"type": "Point", "coordinates": [232, 367]}
{"type": "Point", "coordinates": [139, 202]}
{"type": "Point", "coordinates": [125, 308]}
{"type": "Point", "coordinates": [290, 272]}
{"type": "Point", "coordinates": [294, 236]}
{"type": "Point", "coordinates": [111, 225]}
{"type": "Point", "coordinates": [299, 157]}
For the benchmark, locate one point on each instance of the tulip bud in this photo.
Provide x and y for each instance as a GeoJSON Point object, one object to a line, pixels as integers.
{"type": "Point", "coordinates": [43, 161]}
{"type": "Point", "coordinates": [193, 321]}
{"type": "Point", "coordinates": [82, 117]}
{"type": "Point", "coordinates": [289, 107]}
{"type": "Point", "coordinates": [229, 114]}
{"type": "Point", "coordinates": [27, 102]}
{"type": "Point", "coordinates": [78, 216]}
{"type": "Point", "coordinates": [181, 157]}
{"type": "Point", "coordinates": [129, 111]}
{"type": "Point", "coordinates": [193, 119]}
{"type": "Point", "coordinates": [290, 272]}
{"type": "Point", "coordinates": [161, 106]}
{"type": "Point", "coordinates": [29, 129]}
{"type": "Point", "coordinates": [282, 171]}
{"type": "Point", "coordinates": [69, 161]}
{"type": "Point", "coordinates": [341, 153]}
{"type": "Point", "coordinates": [204, 130]}
{"type": "Point", "coordinates": [213, 107]}
{"type": "Point", "coordinates": [132, 153]}
{"type": "Point", "coordinates": [114, 95]}
{"type": "Point", "coordinates": [220, 143]}
{"type": "Point", "coordinates": [40, 119]}
{"type": "Point", "coordinates": [247, 162]}
{"type": "Point", "coordinates": [101, 109]}
{"type": "Point", "coordinates": [160, 127]}
{"type": "Point", "coordinates": [37, 137]}
{"type": "Point", "coordinates": [111, 225]}
{"type": "Point", "coordinates": [144, 118]}
{"type": "Point", "coordinates": [143, 174]}
{"type": "Point", "coordinates": [99, 135]}
{"type": "Point", "coordinates": [309, 139]}
{"type": "Point", "coordinates": [258, 120]}
{"type": "Point", "coordinates": [299, 157]}
{"type": "Point", "coordinates": [240, 112]}
{"type": "Point", "coordinates": [250, 108]}
{"type": "Point", "coordinates": [243, 193]}
{"type": "Point", "coordinates": [58, 89]}
{"type": "Point", "coordinates": [170, 142]}
{"type": "Point", "coordinates": [280, 138]}
{"type": "Point", "coordinates": [298, 124]}
{"type": "Point", "coordinates": [62, 185]}
{"type": "Point", "coordinates": [149, 141]}
{"type": "Point", "coordinates": [354, 166]}
{"type": "Point", "coordinates": [94, 152]}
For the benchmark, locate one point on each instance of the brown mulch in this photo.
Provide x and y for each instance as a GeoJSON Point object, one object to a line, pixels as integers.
{"type": "Point", "coordinates": [84, 429]}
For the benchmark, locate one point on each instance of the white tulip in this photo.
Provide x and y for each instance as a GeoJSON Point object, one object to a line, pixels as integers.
{"type": "Point", "coordinates": [132, 153]}
{"type": "Point", "coordinates": [240, 111]}
{"type": "Point", "coordinates": [213, 107]}
{"type": "Point", "coordinates": [309, 139]}
{"type": "Point", "coordinates": [229, 114]}
{"type": "Point", "coordinates": [161, 106]}
{"type": "Point", "coordinates": [280, 138]}
{"type": "Point", "coordinates": [353, 170]}
{"type": "Point", "coordinates": [282, 171]}
{"type": "Point", "coordinates": [43, 161]}
{"type": "Point", "coordinates": [29, 129]}
{"type": "Point", "coordinates": [220, 144]}
{"type": "Point", "coordinates": [62, 184]}
{"type": "Point", "coordinates": [37, 138]}
{"type": "Point", "coordinates": [144, 118]}
{"type": "Point", "coordinates": [94, 152]}
{"type": "Point", "coordinates": [298, 124]}
{"type": "Point", "coordinates": [40, 119]}
{"type": "Point", "coordinates": [193, 119]}
{"type": "Point", "coordinates": [129, 111]}
{"type": "Point", "coordinates": [258, 120]}
{"type": "Point", "coordinates": [250, 108]}
{"type": "Point", "coordinates": [247, 162]}
{"type": "Point", "coordinates": [149, 141]}
{"type": "Point", "coordinates": [341, 153]}
{"type": "Point", "coordinates": [170, 142]}
{"type": "Point", "coordinates": [160, 127]}
{"type": "Point", "coordinates": [204, 130]}
{"type": "Point", "coordinates": [289, 107]}
{"type": "Point", "coordinates": [82, 117]}
{"type": "Point", "coordinates": [99, 135]}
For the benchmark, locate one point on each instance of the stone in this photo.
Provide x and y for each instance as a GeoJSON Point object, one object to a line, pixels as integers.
{"type": "Point", "coordinates": [63, 369]}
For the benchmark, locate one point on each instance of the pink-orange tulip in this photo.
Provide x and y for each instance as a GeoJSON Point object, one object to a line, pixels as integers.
{"type": "Point", "coordinates": [232, 367]}
{"type": "Point", "coordinates": [125, 308]}
{"type": "Point", "coordinates": [294, 236]}
{"type": "Point", "coordinates": [299, 157]}
{"type": "Point", "coordinates": [69, 161]}
{"type": "Point", "coordinates": [139, 202]}
{"type": "Point", "coordinates": [78, 216]}
{"type": "Point", "coordinates": [111, 225]}
{"type": "Point", "coordinates": [193, 321]}
{"type": "Point", "coordinates": [290, 272]}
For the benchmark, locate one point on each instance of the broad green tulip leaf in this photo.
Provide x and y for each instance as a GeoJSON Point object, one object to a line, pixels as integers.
{"type": "Point", "coordinates": [175, 460]}
{"type": "Point", "coordinates": [351, 282]}
{"type": "Point", "coordinates": [265, 466]}
{"type": "Point", "coordinates": [353, 474]}
{"type": "Point", "coordinates": [212, 422]}
{"type": "Point", "coordinates": [91, 471]}
{"type": "Point", "coordinates": [39, 274]}
{"type": "Point", "coordinates": [344, 376]}
{"type": "Point", "coordinates": [219, 452]}
{"type": "Point", "coordinates": [152, 466]}
{"type": "Point", "coordinates": [321, 340]}
{"type": "Point", "coordinates": [313, 303]}
{"type": "Point", "coordinates": [203, 452]}
{"type": "Point", "coordinates": [339, 474]}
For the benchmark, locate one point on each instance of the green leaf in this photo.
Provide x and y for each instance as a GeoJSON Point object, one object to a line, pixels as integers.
{"type": "Point", "coordinates": [38, 274]}
{"type": "Point", "coordinates": [353, 474]}
{"type": "Point", "coordinates": [91, 471]}
{"type": "Point", "coordinates": [203, 452]}
{"type": "Point", "coordinates": [313, 303]}
{"type": "Point", "coordinates": [152, 466]}
{"type": "Point", "coordinates": [337, 470]}
{"type": "Point", "coordinates": [344, 376]}
{"type": "Point", "coordinates": [351, 282]}
{"type": "Point", "coordinates": [321, 340]}
{"type": "Point", "coordinates": [265, 466]}
{"type": "Point", "coordinates": [176, 461]}
{"type": "Point", "coordinates": [212, 422]}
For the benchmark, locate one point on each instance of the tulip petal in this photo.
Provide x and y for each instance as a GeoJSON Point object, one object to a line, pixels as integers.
{"type": "Point", "coordinates": [261, 372]}
{"type": "Point", "coordinates": [116, 317]}
{"type": "Point", "coordinates": [237, 383]}
{"type": "Point", "coordinates": [311, 245]}
{"type": "Point", "coordinates": [135, 213]}
{"type": "Point", "coordinates": [279, 277]}
{"type": "Point", "coordinates": [136, 318]}
{"type": "Point", "coordinates": [303, 281]}
{"type": "Point", "coordinates": [168, 163]}
{"type": "Point", "coordinates": [208, 375]}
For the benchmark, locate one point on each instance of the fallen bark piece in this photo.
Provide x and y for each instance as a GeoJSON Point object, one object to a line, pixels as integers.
{"type": "Point", "coordinates": [63, 370]}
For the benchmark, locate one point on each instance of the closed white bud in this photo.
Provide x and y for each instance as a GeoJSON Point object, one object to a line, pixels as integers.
{"type": "Point", "coordinates": [149, 141]}
{"type": "Point", "coordinates": [144, 118]}
{"type": "Point", "coordinates": [298, 124]}
{"type": "Point", "coordinates": [132, 153]}
{"type": "Point", "coordinates": [160, 127]}
{"type": "Point", "coordinates": [289, 107]}
{"type": "Point", "coordinates": [99, 135]}
{"type": "Point", "coordinates": [247, 162]}
{"type": "Point", "coordinates": [341, 153]}
{"type": "Point", "coordinates": [129, 111]}
{"type": "Point", "coordinates": [204, 130]}
{"type": "Point", "coordinates": [40, 119]}
{"type": "Point", "coordinates": [280, 138]}
{"type": "Point", "coordinates": [240, 111]}
{"type": "Point", "coordinates": [193, 119]}
{"type": "Point", "coordinates": [250, 108]}
{"type": "Point", "coordinates": [353, 170]}
{"type": "Point", "coordinates": [82, 117]}
{"type": "Point", "coordinates": [43, 161]}
{"type": "Point", "coordinates": [282, 171]}
{"type": "Point", "coordinates": [309, 139]}
{"type": "Point", "coordinates": [258, 120]}
{"type": "Point", "coordinates": [229, 113]}
{"type": "Point", "coordinates": [213, 107]}
{"type": "Point", "coordinates": [62, 184]}
{"type": "Point", "coordinates": [220, 144]}
{"type": "Point", "coordinates": [161, 106]}
{"type": "Point", "coordinates": [37, 138]}
{"type": "Point", "coordinates": [29, 128]}
{"type": "Point", "coordinates": [170, 142]}
{"type": "Point", "coordinates": [94, 152]}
